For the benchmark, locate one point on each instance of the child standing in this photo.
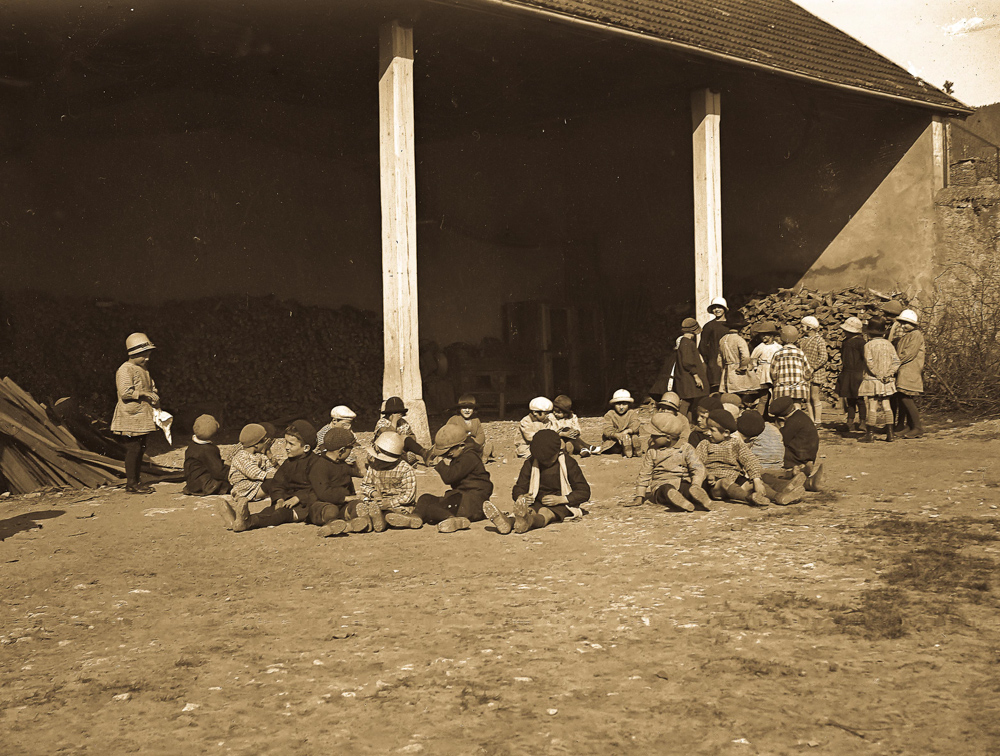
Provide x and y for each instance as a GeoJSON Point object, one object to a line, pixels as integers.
{"type": "Point", "coordinates": [671, 472]}
{"type": "Point", "coordinates": [852, 360]}
{"type": "Point", "coordinates": [538, 418]}
{"type": "Point", "coordinates": [878, 382]}
{"type": "Point", "coordinates": [790, 369]}
{"type": "Point", "coordinates": [389, 490]}
{"type": "Point", "coordinates": [737, 378]}
{"type": "Point", "coordinates": [133, 418]}
{"type": "Point", "coordinates": [621, 425]}
{"type": "Point", "coordinates": [550, 488]}
{"type": "Point", "coordinates": [690, 376]}
{"type": "Point", "coordinates": [204, 472]}
{"type": "Point", "coordinates": [814, 348]}
{"type": "Point", "coordinates": [760, 360]}
{"type": "Point", "coordinates": [733, 471]}
{"type": "Point", "coordinates": [715, 329]}
{"type": "Point", "coordinates": [461, 468]}
{"type": "Point", "coordinates": [393, 414]}
{"type": "Point", "coordinates": [909, 379]}
{"type": "Point", "coordinates": [251, 471]}
{"type": "Point", "coordinates": [469, 420]}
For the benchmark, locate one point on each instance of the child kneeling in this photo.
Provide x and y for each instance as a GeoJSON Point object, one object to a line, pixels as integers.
{"type": "Point", "coordinates": [671, 472]}
{"type": "Point", "coordinates": [461, 467]}
{"type": "Point", "coordinates": [204, 472]}
{"type": "Point", "coordinates": [550, 488]}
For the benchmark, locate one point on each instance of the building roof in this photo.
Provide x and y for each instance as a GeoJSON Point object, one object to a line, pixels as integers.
{"type": "Point", "coordinates": [776, 35]}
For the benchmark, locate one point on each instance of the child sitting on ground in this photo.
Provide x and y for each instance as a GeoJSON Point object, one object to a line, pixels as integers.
{"type": "Point", "coordinates": [550, 488]}
{"type": "Point", "coordinates": [567, 425]}
{"type": "Point", "coordinates": [671, 472]}
{"type": "Point", "coordinates": [670, 403]}
{"type": "Point", "coordinates": [335, 481]}
{"type": "Point", "coordinates": [389, 489]}
{"type": "Point", "coordinates": [461, 467]}
{"type": "Point", "coordinates": [700, 431]}
{"type": "Point", "coordinates": [341, 416]}
{"type": "Point", "coordinates": [393, 414]}
{"type": "Point", "coordinates": [204, 472]}
{"type": "Point", "coordinates": [538, 418]}
{"type": "Point", "coordinates": [801, 441]}
{"type": "Point", "coordinates": [765, 442]}
{"type": "Point", "coordinates": [621, 425]}
{"type": "Point", "coordinates": [274, 445]}
{"type": "Point", "coordinates": [294, 490]}
{"type": "Point", "coordinates": [468, 419]}
{"type": "Point", "coordinates": [250, 471]}
{"type": "Point", "coordinates": [733, 471]}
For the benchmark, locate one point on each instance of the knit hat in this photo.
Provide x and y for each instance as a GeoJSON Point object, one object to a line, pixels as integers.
{"type": "Point", "coordinates": [448, 437]}
{"type": "Point", "coordinates": [719, 302]}
{"type": "Point", "coordinates": [852, 325]}
{"type": "Point", "coordinates": [251, 435]}
{"type": "Point", "coordinates": [810, 322]}
{"type": "Point", "coordinates": [781, 406]}
{"type": "Point", "coordinates": [337, 438]}
{"type": "Point", "coordinates": [789, 334]}
{"type": "Point", "coordinates": [907, 316]}
{"type": "Point", "coordinates": [540, 404]}
{"type": "Point", "coordinates": [765, 326]}
{"type": "Point", "coordinates": [621, 395]}
{"type": "Point", "coordinates": [342, 412]}
{"type": "Point", "coordinates": [666, 424]}
{"type": "Point", "coordinates": [750, 424]}
{"type": "Point", "coordinates": [731, 399]}
{"type": "Point", "coordinates": [723, 419]}
{"type": "Point", "coordinates": [304, 430]}
{"type": "Point", "coordinates": [205, 427]}
{"type": "Point", "coordinates": [670, 399]}
{"type": "Point", "coordinates": [137, 343]}
{"type": "Point", "coordinates": [563, 403]}
{"type": "Point", "coordinates": [545, 444]}
{"type": "Point", "coordinates": [690, 325]}
{"type": "Point", "coordinates": [393, 405]}
{"type": "Point", "coordinates": [467, 400]}
{"type": "Point", "coordinates": [713, 402]}
{"type": "Point", "coordinates": [892, 308]}
{"type": "Point", "coordinates": [388, 446]}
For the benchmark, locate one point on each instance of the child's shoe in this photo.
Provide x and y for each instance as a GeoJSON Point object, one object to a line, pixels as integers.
{"type": "Point", "coordinates": [241, 513]}
{"type": "Point", "coordinates": [360, 524]}
{"type": "Point", "coordinates": [522, 507]}
{"type": "Point", "coordinates": [676, 498]}
{"type": "Point", "coordinates": [700, 495]}
{"type": "Point", "coordinates": [333, 528]}
{"type": "Point", "coordinates": [403, 521]}
{"type": "Point", "coordinates": [454, 523]}
{"type": "Point", "coordinates": [794, 492]}
{"type": "Point", "coordinates": [501, 522]}
{"type": "Point", "coordinates": [814, 481]}
{"type": "Point", "coordinates": [867, 438]}
{"type": "Point", "coordinates": [888, 432]}
{"type": "Point", "coordinates": [374, 512]}
{"type": "Point", "coordinates": [523, 524]}
{"type": "Point", "coordinates": [226, 512]}
{"type": "Point", "coordinates": [758, 500]}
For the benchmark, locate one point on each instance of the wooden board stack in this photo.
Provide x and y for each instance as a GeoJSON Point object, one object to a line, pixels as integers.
{"type": "Point", "coordinates": [38, 451]}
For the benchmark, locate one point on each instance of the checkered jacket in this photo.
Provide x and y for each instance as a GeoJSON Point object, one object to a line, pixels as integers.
{"type": "Point", "coordinates": [814, 349]}
{"type": "Point", "coordinates": [789, 367]}
{"type": "Point", "coordinates": [392, 488]}
{"type": "Point", "coordinates": [728, 460]}
{"type": "Point", "coordinates": [247, 471]}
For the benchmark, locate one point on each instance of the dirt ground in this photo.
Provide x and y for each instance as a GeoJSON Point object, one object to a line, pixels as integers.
{"type": "Point", "coordinates": [862, 621]}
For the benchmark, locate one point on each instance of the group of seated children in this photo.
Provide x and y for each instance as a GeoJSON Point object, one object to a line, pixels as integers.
{"type": "Point", "coordinates": [315, 481]}
{"type": "Point", "coordinates": [620, 431]}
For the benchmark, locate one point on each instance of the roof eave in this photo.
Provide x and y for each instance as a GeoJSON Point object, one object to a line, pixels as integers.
{"type": "Point", "coordinates": [958, 109]}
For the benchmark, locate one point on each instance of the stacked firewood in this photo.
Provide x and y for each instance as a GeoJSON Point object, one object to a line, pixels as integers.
{"type": "Point", "coordinates": [37, 450]}
{"type": "Point", "coordinates": [831, 309]}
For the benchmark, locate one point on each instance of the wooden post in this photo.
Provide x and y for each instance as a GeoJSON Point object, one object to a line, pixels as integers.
{"type": "Point", "coordinates": [940, 154]}
{"type": "Point", "coordinates": [401, 376]}
{"type": "Point", "coordinates": [705, 115]}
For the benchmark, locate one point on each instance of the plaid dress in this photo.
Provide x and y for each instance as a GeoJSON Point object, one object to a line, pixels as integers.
{"type": "Point", "coordinates": [133, 417]}
{"type": "Point", "coordinates": [814, 348]}
{"type": "Point", "coordinates": [788, 371]}
{"type": "Point", "coordinates": [729, 460]}
{"type": "Point", "coordinates": [393, 489]}
{"type": "Point", "coordinates": [247, 470]}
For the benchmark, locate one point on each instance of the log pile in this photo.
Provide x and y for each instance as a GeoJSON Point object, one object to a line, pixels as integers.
{"type": "Point", "coordinates": [38, 451]}
{"type": "Point", "coordinates": [831, 309]}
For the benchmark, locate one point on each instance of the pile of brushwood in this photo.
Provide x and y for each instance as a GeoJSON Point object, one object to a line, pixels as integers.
{"type": "Point", "coordinates": [246, 359]}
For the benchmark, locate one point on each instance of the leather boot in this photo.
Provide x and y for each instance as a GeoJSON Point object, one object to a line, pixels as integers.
{"type": "Point", "coordinates": [867, 438]}
{"type": "Point", "coordinates": [888, 432]}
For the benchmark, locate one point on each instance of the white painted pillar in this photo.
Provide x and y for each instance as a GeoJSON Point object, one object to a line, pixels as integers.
{"type": "Point", "coordinates": [706, 109]}
{"type": "Point", "coordinates": [940, 168]}
{"type": "Point", "coordinates": [397, 166]}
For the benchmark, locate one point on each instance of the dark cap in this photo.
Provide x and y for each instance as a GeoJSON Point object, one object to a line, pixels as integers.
{"type": "Point", "coordinates": [723, 419]}
{"type": "Point", "coordinates": [750, 424]}
{"type": "Point", "coordinates": [337, 438]}
{"type": "Point", "coordinates": [781, 406]}
{"type": "Point", "coordinates": [304, 430]}
{"type": "Point", "coordinates": [545, 444]}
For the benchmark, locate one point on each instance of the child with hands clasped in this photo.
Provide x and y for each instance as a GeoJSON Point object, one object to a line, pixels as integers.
{"type": "Point", "coordinates": [621, 424]}
{"type": "Point", "coordinates": [460, 466]}
{"type": "Point", "coordinates": [550, 488]}
{"type": "Point", "coordinates": [389, 489]}
{"type": "Point", "coordinates": [671, 472]}
{"type": "Point", "coordinates": [733, 471]}
{"type": "Point", "coordinates": [567, 425]}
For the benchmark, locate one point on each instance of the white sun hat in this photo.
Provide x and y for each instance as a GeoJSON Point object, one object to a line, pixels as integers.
{"type": "Point", "coordinates": [622, 395]}
{"type": "Point", "coordinates": [907, 316]}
